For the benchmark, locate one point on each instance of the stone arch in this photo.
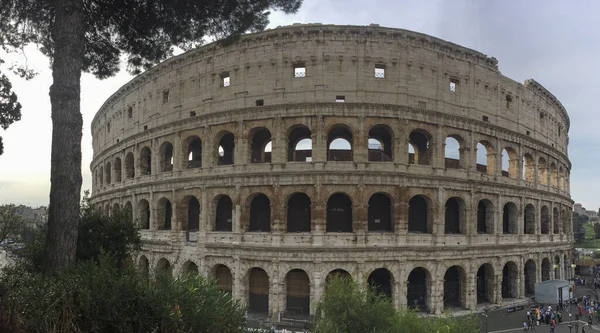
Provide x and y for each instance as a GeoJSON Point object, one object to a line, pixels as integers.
{"type": "Point", "coordinates": [189, 267]}
{"type": "Point", "coordinates": [297, 292]}
{"type": "Point", "coordinates": [530, 276]}
{"type": "Point", "coordinates": [455, 291]}
{"type": "Point", "coordinates": [164, 214]}
{"type": "Point", "coordinates": [129, 211]}
{"type": "Point", "coordinates": [419, 217]}
{"type": "Point", "coordinates": [418, 289]}
{"type": "Point", "coordinates": [383, 281]}
{"type": "Point", "coordinates": [192, 148]}
{"type": "Point", "coordinates": [337, 273]}
{"type": "Point", "coordinates": [190, 214]}
{"type": "Point", "coordinates": [561, 178]}
{"type": "Point", "coordinates": [166, 156]}
{"type": "Point", "coordinates": [545, 220]}
{"type": "Point", "coordinates": [101, 176]}
{"type": "Point", "coordinates": [555, 221]}
{"type": "Point", "coordinates": [339, 213]}
{"type": "Point", "coordinates": [485, 217]}
{"type": "Point", "coordinates": [553, 175]}
{"type": "Point", "coordinates": [340, 143]}
{"type": "Point", "coordinates": [225, 148]}
{"type": "Point", "coordinates": [485, 157]}
{"type": "Point", "coordinates": [380, 213]}
{"type": "Point", "coordinates": [116, 209]}
{"type": "Point", "coordinates": [260, 213]}
{"type": "Point", "coordinates": [510, 216]}
{"type": "Point", "coordinates": [107, 209]}
{"type": "Point", "coordinates": [298, 213]}
{"type": "Point", "coordinates": [542, 171]}
{"type": "Point", "coordinates": [528, 167]}
{"type": "Point", "coordinates": [260, 145]}
{"type": "Point", "coordinates": [117, 167]}
{"type": "Point", "coordinates": [144, 214]}
{"type": "Point", "coordinates": [454, 216]}
{"type": "Point", "coordinates": [454, 151]}
{"type": "Point", "coordinates": [223, 278]}
{"type": "Point", "coordinates": [144, 266]}
{"type": "Point", "coordinates": [510, 162]}
{"type": "Point", "coordinates": [224, 213]}
{"type": "Point", "coordinates": [419, 147]}
{"type": "Point", "coordinates": [300, 144]}
{"type": "Point", "coordinates": [108, 171]}
{"type": "Point", "coordinates": [145, 161]}
{"type": "Point", "coordinates": [163, 266]}
{"type": "Point", "coordinates": [529, 219]}
{"type": "Point", "coordinates": [258, 291]}
{"type": "Point", "coordinates": [485, 283]}
{"type": "Point", "coordinates": [557, 267]}
{"type": "Point", "coordinates": [129, 166]}
{"type": "Point", "coordinates": [510, 278]}
{"type": "Point", "coordinates": [546, 268]}
{"type": "Point", "coordinates": [380, 144]}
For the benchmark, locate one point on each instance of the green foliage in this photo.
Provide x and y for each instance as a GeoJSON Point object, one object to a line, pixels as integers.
{"type": "Point", "coordinates": [349, 307]}
{"type": "Point", "coordinates": [10, 108]}
{"type": "Point", "coordinates": [11, 224]}
{"type": "Point", "coordinates": [596, 230]}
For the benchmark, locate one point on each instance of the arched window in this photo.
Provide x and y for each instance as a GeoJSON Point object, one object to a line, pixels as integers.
{"type": "Point", "coordinates": [561, 178]}
{"type": "Point", "coordinates": [418, 215]}
{"type": "Point", "coordinates": [509, 218]}
{"type": "Point", "coordinates": [546, 268]}
{"type": "Point", "coordinates": [339, 144]}
{"type": "Point", "coordinates": [485, 158]}
{"type": "Point", "coordinates": [166, 157]}
{"type": "Point", "coordinates": [455, 287]}
{"type": "Point", "coordinates": [117, 169]}
{"type": "Point", "coordinates": [260, 146]}
{"type": "Point", "coordinates": [485, 217]}
{"type": "Point", "coordinates": [224, 278]}
{"type": "Point", "coordinates": [485, 284]}
{"type": "Point", "coordinates": [528, 168]}
{"type": "Point", "coordinates": [297, 293]}
{"type": "Point", "coordinates": [380, 144]}
{"type": "Point", "coordinates": [300, 145]}
{"type": "Point", "coordinates": [129, 211]}
{"type": "Point", "coordinates": [164, 214]}
{"type": "Point", "coordinates": [381, 279]}
{"type": "Point", "coordinates": [418, 289]}
{"type": "Point", "coordinates": [129, 167]}
{"type": "Point", "coordinates": [529, 219]}
{"type": "Point", "coordinates": [530, 277]}
{"type": "Point", "coordinates": [258, 291]}
{"type": "Point", "coordinates": [260, 214]}
{"type": "Point", "coordinates": [190, 213]}
{"type": "Point", "coordinates": [419, 142]}
{"type": "Point", "coordinates": [144, 214]}
{"type": "Point", "coordinates": [553, 175]}
{"type": "Point", "coordinates": [542, 171]}
{"type": "Point", "coordinates": [339, 213]}
{"type": "Point", "coordinates": [453, 152]}
{"type": "Point", "coordinates": [163, 266]}
{"type": "Point", "coordinates": [101, 176]}
{"type": "Point", "coordinates": [108, 173]}
{"type": "Point", "coordinates": [189, 268]}
{"type": "Point", "coordinates": [224, 214]}
{"type": "Point", "coordinates": [298, 213]}
{"type": "Point", "coordinates": [380, 213]}
{"type": "Point", "coordinates": [225, 149]}
{"type": "Point", "coordinates": [454, 216]}
{"type": "Point", "coordinates": [193, 151]}
{"type": "Point", "coordinates": [545, 220]}
{"type": "Point", "coordinates": [510, 278]}
{"type": "Point", "coordinates": [509, 163]}
{"type": "Point", "coordinates": [145, 161]}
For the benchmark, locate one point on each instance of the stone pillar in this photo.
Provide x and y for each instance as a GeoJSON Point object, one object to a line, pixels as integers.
{"type": "Point", "coordinates": [400, 151]}
{"type": "Point", "coordinates": [438, 211]}
{"type": "Point", "coordinates": [437, 293]}
{"type": "Point", "coordinates": [538, 217]}
{"type": "Point", "coordinates": [178, 155]}
{"type": "Point", "coordinates": [360, 142]}
{"type": "Point", "coordinates": [208, 150]}
{"type": "Point", "coordinates": [521, 280]}
{"type": "Point", "coordinates": [236, 220]}
{"type": "Point", "coordinates": [240, 155]}
{"type": "Point", "coordinates": [319, 139]}
{"type": "Point", "coordinates": [316, 290]}
{"type": "Point", "coordinates": [498, 287]}
{"type": "Point", "coordinates": [279, 143]}
{"type": "Point", "coordinates": [204, 212]}
{"type": "Point", "coordinates": [439, 147]}
{"type": "Point", "coordinates": [471, 292]}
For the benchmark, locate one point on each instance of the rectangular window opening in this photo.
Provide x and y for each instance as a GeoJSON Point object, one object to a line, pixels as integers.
{"type": "Point", "coordinates": [225, 79]}
{"type": "Point", "coordinates": [340, 99]}
{"type": "Point", "coordinates": [192, 113]}
{"type": "Point", "coordinates": [108, 127]}
{"type": "Point", "coordinates": [422, 105]}
{"type": "Point", "coordinates": [453, 84]}
{"type": "Point", "coordinates": [508, 101]}
{"type": "Point", "coordinates": [165, 96]}
{"type": "Point", "coordinates": [379, 71]}
{"type": "Point", "coordinates": [299, 70]}
{"type": "Point", "coordinates": [260, 102]}
{"type": "Point", "coordinates": [145, 127]}
{"type": "Point", "coordinates": [541, 115]}
{"type": "Point", "coordinates": [528, 132]}
{"type": "Point", "coordinates": [485, 118]}
{"type": "Point", "coordinates": [130, 112]}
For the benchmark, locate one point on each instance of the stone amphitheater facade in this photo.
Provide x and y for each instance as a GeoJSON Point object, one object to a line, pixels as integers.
{"type": "Point", "coordinates": [289, 155]}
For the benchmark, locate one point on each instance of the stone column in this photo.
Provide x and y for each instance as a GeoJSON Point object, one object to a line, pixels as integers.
{"type": "Point", "coordinates": [439, 145]}
{"type": "Point", "coordinates": [360, 142]}
{"type": "Point", "coordinates": [319, 139]}
{"type": "Point", "coordinates": [278, 143]}
{"type": "Point", "coordinates": [316, 291]}
{"type": "Point", "coordinates": [178, 155]}
{"type": "Point", "coordinates": [240, 155]}
{"type": "Point", "coordinates": [437, 293]}
{"type": "Point", "coordinates": [498, 287]}
{"type": "Point", "coordinates": [471, 292]}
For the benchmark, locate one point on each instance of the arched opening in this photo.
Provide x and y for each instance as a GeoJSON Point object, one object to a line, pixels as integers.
{"type": "Point", "coordinates": [510, 277]}
{"type": "Point", "coordinates": [225, 149]}
{"type": "Point", "coordinates": [561, 178]}
{"type": "Point", "coordinates": [528, 168]}
{"type": "Point", "coordinates": [381, 279]}
{"type": "Point", "coordinates": [336, 273]}
{"type": "Point", "coordinates": [546, 269]}
{"type": "Point", "coordinates": [545, 219]}
{"type": "Point", "coordinates": [380, 213]}
{"type": "Point", "coordinates": [453, 152]}
{"type": "Point", "coordinates": [107, 209]}
{"type": "Point", "coordinates": [529, 219]}
{"type": "Point", "coordinates": [144, 266]}
{"type": "Point", "coordinates": [553, 175]}
{"type": "Point", "coordinates": [189, 268]}
{"type": "Point", "coordinates": [260, 146]}
{"type": "Point", "coordinates": [101, 176]}
{"type": "Point", "coordinates": [117, 166]}
{"type": "Point", "coordinates": [260, 214]}
{"type": "Point", "coordinates": [339, 213]}
{"type": "Point", "coordinates": [297, 292]}
{"type": "Point", "coordinates": [108, 171]}
{"type": "Point", "coordinates": [485, 157]}
{"type": "Point", "coordinates": [163, 266]}
{"type": "Point", "coordinates": [223, 220]}
{"type": "Point", "coordinates": [420, 141]}
{"type": "Point", "coordinates": [510, 217]}
{"type": "Point", "coordinates": [129, 167]}
{"type": "Point", "coordinates": [144, 214]}
{"type": "Point", "coordinates": [485, 284]}
{"type": "Point", "coordinates": [166, 157]}
{"type": "Point", "coordinates": [509, 163]}
{"type": "Point", "coordinates": [258, 291]}
{"type": "Point", "coordinates": [380, 144]}
{"type": "Point", "coordinates": [145, 161]}
{"type": "Point", "coordinates": [485, 217]}
{"type": "Point", "coordinates": [530, 277]}
{"type": "Point", "coordinates": [542, 171]}
{"type": "Point", "coordinates": [564, 221]}
{"type": "Point", "coordinates": [418, 215]}
{"type": "Point", "coordinates": [129, 211]}
{"type": "Point", "coordinates": [116, 209]}
{"type": "Point", "coordinates": [454, 287]}
{"type": "Point", "coordinates": [223, 278]}
{"type": "Point", "coordinates": [339, 144]}
{"type": "Point", "coordinates": [164, 214]}
{"type": "Point", "coordinates": [454, 216]}
{"type": "Point", "coordinates": [193, 150]}
{"type": "Point", "coordinates": [557, 267]}
{"type": "Point", "coordinates": [191, 205]}
{"type": "Point", "coordinates": [418, 289]}
{"type": "Point", "coordinates": [298, 213]}
{"type": "Point", "coordinates": [300, 145]}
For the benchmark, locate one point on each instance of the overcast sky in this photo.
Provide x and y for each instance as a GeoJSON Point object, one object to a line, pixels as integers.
{"type": "Point", "coordinates": [555, 42]}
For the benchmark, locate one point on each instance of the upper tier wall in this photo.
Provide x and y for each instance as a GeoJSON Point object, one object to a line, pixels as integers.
{"type": "Point", "coordinates": [339, 60]}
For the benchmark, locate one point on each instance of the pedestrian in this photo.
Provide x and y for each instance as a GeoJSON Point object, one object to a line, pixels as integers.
{"type": "Point", "coordinates": [590, 321]}
{"type": "Point", "coordinates": [525, 327]}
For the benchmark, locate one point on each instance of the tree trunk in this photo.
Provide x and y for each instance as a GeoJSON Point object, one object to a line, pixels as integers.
{"type": "Point", "coordinates": [65, 175]}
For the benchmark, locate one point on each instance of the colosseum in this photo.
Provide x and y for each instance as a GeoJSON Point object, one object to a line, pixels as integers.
{"type": "Point", "coordinates": [390, 156]}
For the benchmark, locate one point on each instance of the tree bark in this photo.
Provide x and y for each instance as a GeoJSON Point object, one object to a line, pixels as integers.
{"type": "Point", "coordinates": [68, 34]}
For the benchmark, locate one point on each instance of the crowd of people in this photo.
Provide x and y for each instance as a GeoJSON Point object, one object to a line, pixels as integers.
{"type": "Point", "coordinates": [542, 315]}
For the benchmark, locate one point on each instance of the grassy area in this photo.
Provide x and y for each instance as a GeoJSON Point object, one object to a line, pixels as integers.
{"type": "Point", "coordinates": [590, 242]}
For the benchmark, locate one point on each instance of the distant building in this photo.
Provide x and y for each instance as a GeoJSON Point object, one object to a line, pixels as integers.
{"type": "Point", "coordinates": [33, 216]}
{"type": "Point", "coordinates": [579, 209]}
